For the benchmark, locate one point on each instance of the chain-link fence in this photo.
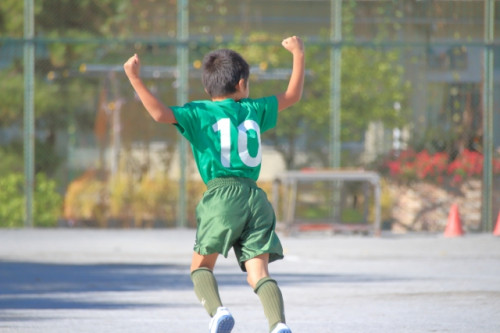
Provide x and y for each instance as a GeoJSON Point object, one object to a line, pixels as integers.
{"type": "Point", "coordinates": [413, 105]}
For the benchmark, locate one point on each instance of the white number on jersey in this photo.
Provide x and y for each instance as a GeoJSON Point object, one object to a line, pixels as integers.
{"type": "Point", "coordinates": [224, 127]}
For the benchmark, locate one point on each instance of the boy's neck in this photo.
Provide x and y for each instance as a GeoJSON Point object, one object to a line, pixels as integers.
{"type": "Point", "coordinates": [240, 93]}
{"type": "Point", "coordinates": [224, 99]}
{"type": "Point", "coordinates": [236, 96]}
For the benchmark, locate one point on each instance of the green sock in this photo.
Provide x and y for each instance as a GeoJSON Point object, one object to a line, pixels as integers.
{"type": "Point", "coordinates": [206, 289]}
{"type": "Point", "coordinates": [270, 296]}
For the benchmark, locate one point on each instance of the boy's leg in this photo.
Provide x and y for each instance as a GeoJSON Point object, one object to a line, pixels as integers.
{"type": "Point", "coordinates": [205, 284]}
{"type": "Point", "coordinates": [205, 287]}
{"type": "Point", "coordinates": [267, 289]}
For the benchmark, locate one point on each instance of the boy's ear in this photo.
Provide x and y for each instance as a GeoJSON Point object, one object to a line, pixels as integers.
{"type": "Point", "coordinates": [241, 85]}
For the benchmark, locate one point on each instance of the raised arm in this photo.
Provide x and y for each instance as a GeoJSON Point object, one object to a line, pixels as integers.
{"type": "Point", "coordinates": [293, 93]}
{"type": "Point", "coordinates": [156, 109]}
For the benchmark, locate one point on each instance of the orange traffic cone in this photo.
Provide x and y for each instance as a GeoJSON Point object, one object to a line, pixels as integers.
{"type": "Point", "coordinates": [496, 232]}
{"type": "Point", "coordinates": [454, 226]}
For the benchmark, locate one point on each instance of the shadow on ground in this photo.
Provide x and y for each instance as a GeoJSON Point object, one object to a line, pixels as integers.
{"type": "Point", "coordinates": [28, 285]}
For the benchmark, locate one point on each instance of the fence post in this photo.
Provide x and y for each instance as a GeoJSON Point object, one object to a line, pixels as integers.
{"type": "Point", "coordinates": [486, 214]}
{"type": "Point", "coordinates": [182, 96]}
{"type": "Point", "coordinates": [335, 100]}
{"type": "Point", "coordinates": [335, 82]}
{"type": "Point", "coordinates": [29, 111]}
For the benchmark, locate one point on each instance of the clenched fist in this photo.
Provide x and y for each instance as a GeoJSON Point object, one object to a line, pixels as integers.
{"type": "Point", "coordinates": [132, 66]}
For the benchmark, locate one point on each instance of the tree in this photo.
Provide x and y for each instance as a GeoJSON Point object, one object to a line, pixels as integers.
{"type": "Point", "coordinates": [372, 81]}
{"type": "Point", "coordinates": [59, 100]}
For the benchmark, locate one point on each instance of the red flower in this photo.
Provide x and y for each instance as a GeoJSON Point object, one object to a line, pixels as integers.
{"type": "Point", "coordinates": [394, 168]}
{"type": "Point", "coordinates": [437, 167]}
{"type": "Point", "coordinates": [457, 179]}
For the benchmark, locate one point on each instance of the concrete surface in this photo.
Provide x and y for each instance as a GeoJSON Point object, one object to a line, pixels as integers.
{"type": "Point", "coordinates": [138, 281]}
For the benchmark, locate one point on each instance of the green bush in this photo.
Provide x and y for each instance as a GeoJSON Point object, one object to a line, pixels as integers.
{"type": "Point", "coordinates": [12, 160]}
{"type": "Point", "coordinates": [47, 202]}
{"type": "Point", "coordinates": [11, 200]}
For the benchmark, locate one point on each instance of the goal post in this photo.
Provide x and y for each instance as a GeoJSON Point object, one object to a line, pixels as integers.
{"type": "Point", "coordinates": [286, 193]}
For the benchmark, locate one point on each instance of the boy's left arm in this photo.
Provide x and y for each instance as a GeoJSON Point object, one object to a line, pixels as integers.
{"type": "Point", "coordinates": [155, 108]}
{"type": "Point", "coordinates": [293, 93]}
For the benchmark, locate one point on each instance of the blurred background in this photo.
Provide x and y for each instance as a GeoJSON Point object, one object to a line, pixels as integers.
{"type": "Point", "coordinates": [408, 89]}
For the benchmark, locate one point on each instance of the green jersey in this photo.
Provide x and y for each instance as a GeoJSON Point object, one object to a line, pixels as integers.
{"type": "Point", "coordinates": [225, 135]}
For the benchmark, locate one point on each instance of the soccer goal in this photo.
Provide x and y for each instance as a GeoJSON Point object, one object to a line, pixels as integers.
{"type": "Point", "coordinates": [334, 201]}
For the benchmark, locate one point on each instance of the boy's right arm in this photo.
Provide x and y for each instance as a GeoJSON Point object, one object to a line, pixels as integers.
{"type": "Point", "coordinates": [155, 108]}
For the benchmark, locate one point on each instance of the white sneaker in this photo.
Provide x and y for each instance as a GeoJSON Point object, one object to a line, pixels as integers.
{"type": "Point", "coordinates": [281, 328]}
{"type": "Point", "coordinates": [222, 321]}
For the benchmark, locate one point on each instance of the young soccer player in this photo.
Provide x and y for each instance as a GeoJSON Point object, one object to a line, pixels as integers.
{"type": "Point", "coordinates": [224, 133]}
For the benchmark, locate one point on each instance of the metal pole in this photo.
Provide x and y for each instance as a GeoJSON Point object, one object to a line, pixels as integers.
{"type": "Point", "coordinates": [115, 108]}
{"type": "Point", "coordinates": [29, 110]}
{"type": "Point", "coordinates": [182, 95]}
{"type": "Point", "coordinates": [335, 103]}
{"type": "Point", "coordinates": [335, 82]}
{"type": "Point", "coordinates": [487, 218]}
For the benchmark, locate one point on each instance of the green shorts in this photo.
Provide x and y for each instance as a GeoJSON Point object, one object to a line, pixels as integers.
{"type": "Point", "coordinates": [235, 212]}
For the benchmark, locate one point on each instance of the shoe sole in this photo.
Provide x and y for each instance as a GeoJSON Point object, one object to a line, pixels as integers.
{"type": "Point", "coordinates": [225, 325]}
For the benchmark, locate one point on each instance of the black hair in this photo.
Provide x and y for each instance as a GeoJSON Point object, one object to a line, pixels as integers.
{"type": "Point", "coordinates": [222, 70]}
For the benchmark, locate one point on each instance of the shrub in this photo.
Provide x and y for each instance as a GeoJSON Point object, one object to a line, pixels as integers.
{"type": "Point", "coordinates": [124, 201]}
{"type": "Point", "coordinates": [86, 199]}
{"type": "Point", "coordinates": [47, 202]}
{"type": "Point", "coordinates": [439, 167]}
{"type": "Point", "coordinates": [11, 200]}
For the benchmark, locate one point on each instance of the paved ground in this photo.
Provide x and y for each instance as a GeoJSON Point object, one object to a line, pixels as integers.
{"type": "Point", "coordinates": [138, 281]}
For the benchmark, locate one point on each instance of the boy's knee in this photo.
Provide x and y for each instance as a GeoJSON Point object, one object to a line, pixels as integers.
{"type": "Point", "coordinates": [253, 280]}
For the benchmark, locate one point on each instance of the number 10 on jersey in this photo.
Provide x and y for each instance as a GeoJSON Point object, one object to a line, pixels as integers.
{"type": "Point", "coordinates": [224, 127]}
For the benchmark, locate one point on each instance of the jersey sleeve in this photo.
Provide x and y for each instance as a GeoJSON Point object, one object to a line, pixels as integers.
{"type": "Point", "coordinates": [267, 111]}
{"type": "Point", "coordinates": [185, 117]}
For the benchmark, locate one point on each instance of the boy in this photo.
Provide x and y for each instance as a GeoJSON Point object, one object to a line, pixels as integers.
{"type": "Point", "coordinates": [225, 137]}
